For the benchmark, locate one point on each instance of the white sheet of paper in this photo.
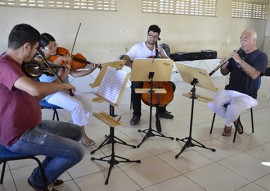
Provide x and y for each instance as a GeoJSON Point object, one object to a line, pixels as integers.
{"type": "Point", "coordinates": [111, 84]}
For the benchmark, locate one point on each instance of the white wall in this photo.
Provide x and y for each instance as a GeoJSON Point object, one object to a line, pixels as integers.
{"type": "Point", "coordinates": [105, 36]}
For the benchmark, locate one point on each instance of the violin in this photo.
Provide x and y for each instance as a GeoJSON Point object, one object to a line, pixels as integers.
{"type": "Point", "coordinates": [47, 64]}
{"type": "Point", "coordinates": [78, 60]}
{"type": "Point", "coordinates": [158, 99]}
{"type": "Point", "coordinates": [34, 69]}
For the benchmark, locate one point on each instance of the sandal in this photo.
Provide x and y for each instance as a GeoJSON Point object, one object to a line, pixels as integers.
{"type": "Point", "coordinates": [227, 131]}
{"type": "Point", "coordinates": [238, 126]}
{"type": "Point", "coordinates": [89, 143]}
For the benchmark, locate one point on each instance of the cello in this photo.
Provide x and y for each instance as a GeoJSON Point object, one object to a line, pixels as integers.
{"type": "Point", "coordinates": [158, 99]}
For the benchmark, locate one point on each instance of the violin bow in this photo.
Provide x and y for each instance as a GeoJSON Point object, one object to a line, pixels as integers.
{"type": "Point", "coordinates": [75, 39]}
{"type": "Point", "coordinates": [75, 43]}
{"type": "Point", "coordinates": [50, 68]}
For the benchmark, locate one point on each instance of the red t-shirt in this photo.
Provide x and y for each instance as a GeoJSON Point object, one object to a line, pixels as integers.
{"type": "Point", "coordinates": [19, 111]}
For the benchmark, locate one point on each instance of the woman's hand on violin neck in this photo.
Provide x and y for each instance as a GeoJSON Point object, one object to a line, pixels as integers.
{"type": "Point", "coordinates": [95, 66]}
{"type": "Point", "coordinates": [92, 67]}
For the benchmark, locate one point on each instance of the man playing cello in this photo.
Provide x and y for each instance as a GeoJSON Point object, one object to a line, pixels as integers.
{"type": "Point", "coordinates": [145, 50]}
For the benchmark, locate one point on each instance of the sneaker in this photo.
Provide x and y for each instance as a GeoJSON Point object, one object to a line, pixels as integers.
{"type": "Point", "coordinates": [58, 183]}
{"type": "Point", "coordinates": [36, 188]}
{"type": "Point", "coordinates": [166, 115]}
{"type": "Point", "coordinates": [135, 120]}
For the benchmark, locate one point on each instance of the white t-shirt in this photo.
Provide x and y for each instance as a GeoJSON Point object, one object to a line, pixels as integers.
{"type": "Point", "coordinates": [140, 50]}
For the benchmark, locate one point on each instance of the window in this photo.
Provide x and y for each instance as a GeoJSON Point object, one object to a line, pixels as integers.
{"type": "Point", "coordinates": [95, 5]}
{"type": "Point", "coordinates": [249, 10]}
{"type": "Point", "coordinates": [181, 7]}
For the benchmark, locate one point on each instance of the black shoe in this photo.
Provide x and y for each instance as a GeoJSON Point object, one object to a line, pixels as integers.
{"type": "Point", "coordinates": [58, 183]}
{"type": "Point", "coordinates": [166, 115]}
{"type": "Point", "coordinates": [36, 188]}
{"type": "Point", "coordinates": [135, 120]}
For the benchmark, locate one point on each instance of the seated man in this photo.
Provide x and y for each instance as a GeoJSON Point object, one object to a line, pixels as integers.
{"type": "Point", "coordinates": [21, 128]}
{"type": "Point", "coordinates": [246, 66]}
{"type": "Point", "coordinates": [145, 50]}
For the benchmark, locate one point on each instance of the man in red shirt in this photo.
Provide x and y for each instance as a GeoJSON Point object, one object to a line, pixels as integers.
{"type": "Point", "coordinates": [21, 128]}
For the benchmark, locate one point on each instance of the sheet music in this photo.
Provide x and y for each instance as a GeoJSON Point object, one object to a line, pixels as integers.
{"type": "Point", "coordinates": [116, 64]}
{"type": "Point", "coordinates": [112, 83]}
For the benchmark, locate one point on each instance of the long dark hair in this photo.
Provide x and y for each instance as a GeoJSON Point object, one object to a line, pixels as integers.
{"type": "Point", "coordinates": [46, 38]}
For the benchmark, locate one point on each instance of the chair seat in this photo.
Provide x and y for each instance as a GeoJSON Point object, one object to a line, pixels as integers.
{"type": "Point", "coordinates": [44, 104]}
{"type": "Point", "coordinates": [5, 153]}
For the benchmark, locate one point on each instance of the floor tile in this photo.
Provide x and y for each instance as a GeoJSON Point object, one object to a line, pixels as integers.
{"type": "Point", "coordinates": [246, 166]}
{"type": "Point", "coordinates": [150, 171]}
{"type": "Point", "coordinates": [215, 177]}
{"type": "Point", "coordinates": [175, 184]}
{"type": "Point", "coordinates": [232, 167]}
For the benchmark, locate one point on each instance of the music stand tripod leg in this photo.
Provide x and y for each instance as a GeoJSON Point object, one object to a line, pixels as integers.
{"type": "Point", "coordinates": [105, 142]}
{"type": "Point", "coordinates": [188, 140]}
{"type": "Point", "coordinates": [158, 125]}
{"type": "Point", "coordinates": [120, 141]}
{"type": "Point", "coordinates": [151, 132]}
{"type": "Point", "coordinates": [111, 159]}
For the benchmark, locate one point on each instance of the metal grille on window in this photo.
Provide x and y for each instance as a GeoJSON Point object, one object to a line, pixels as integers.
{"type": "Point", "coordinates": [249, 10]}
{"type": "Point", "coordinates": [95, 5]}
{"type": "Point", "coordinates": [181, 7]}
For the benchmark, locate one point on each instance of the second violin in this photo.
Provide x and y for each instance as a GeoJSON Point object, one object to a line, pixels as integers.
{"type": "Point", "coordinates": [77, 60]}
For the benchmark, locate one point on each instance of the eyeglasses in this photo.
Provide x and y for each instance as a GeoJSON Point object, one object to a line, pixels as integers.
{"type": "Point", "coordinates": [153, 36]}
{"type": "Point", "coordinates": [51, 47]}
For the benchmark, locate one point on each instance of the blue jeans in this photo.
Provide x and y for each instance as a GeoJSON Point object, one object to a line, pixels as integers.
{"type": "Point", "coordinates": [58, 141]}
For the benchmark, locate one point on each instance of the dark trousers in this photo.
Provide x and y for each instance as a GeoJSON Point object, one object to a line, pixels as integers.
{"type": "Point", "coordinates": [136, 99]}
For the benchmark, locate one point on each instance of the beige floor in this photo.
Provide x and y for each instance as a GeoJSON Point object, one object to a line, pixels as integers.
{"type": "Point", "coordinates": [234, 166]}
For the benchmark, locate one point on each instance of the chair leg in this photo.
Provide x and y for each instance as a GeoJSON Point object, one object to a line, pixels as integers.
{"type": "Point", "coordinates": [235, 132]}
{"type": "Point", "coordinates": [55, 114]}
{"type": "Point", "coordinates": [3, 172]}
{"type": "Point", "coordinates": [252, 122]}
{"type": "Point", "coordinates": [42, 173]}
{"type": "Point", "coordinates": [213, 121]}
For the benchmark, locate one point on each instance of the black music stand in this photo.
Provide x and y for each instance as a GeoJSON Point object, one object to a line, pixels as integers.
{"type": "Point", "coordinates": [114, 80]}
{"type": "Point", "coordinates": [199, 77]}
{"type": "Point", "coordinates": [151, 70]}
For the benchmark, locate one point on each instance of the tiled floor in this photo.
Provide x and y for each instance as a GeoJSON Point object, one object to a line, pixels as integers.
{"type": "Point", "coordinates": [234, 166]}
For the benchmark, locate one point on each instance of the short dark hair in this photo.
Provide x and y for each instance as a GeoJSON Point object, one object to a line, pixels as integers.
{"type": "Point", "coordinates": [154, 28]}
{"type": "Point", "coordinates": [46, 38]}
{"type": "Point", "coordinates": [21, 34]}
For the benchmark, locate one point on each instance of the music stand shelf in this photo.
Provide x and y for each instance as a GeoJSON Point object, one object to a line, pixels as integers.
{"type": "Point", "coordinates": [201, 78]}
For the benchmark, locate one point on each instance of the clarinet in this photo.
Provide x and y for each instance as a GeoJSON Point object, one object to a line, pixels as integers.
{"type": "Point", "coordinates": [219, 66]}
